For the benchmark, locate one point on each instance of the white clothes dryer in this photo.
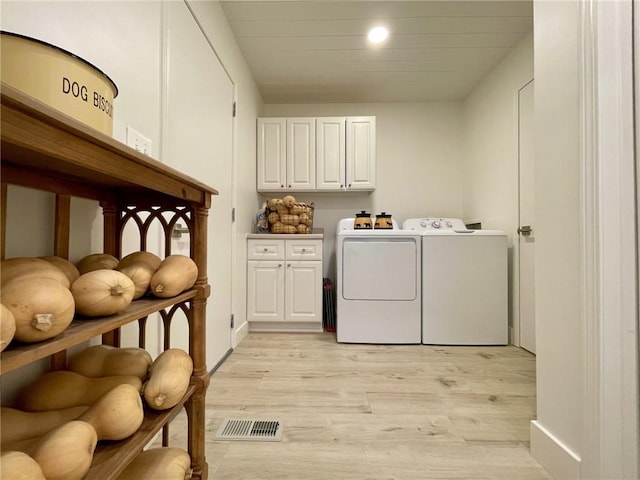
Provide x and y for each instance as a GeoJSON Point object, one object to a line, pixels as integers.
{"type": "Point", "coordinates": [464, 283]}
{"type": "Point", "coordinates": [378, 287]}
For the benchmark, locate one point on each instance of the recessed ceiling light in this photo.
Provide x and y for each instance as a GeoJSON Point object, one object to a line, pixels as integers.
{"type": "Point", "coordinates": [378, 34]}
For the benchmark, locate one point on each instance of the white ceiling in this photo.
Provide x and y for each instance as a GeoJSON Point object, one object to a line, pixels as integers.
{"type": "Point", "coordinates": [307, 51]}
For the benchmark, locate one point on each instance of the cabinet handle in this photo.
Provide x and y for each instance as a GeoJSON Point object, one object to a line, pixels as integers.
{"type": "Point", "coordinates": [289, 186]}
{"type": "Point", "coordinates": [341, 185]}
{"type": "Point", "coordinates": [349, 185]}
{"type": "Point", "coordinates": [281, 185]}
{"type": "Point", "coordinates": [304, 250]}
{"type": "Point", "coordinates": [266, 249]}
{"type": "Point", "coordinates": [279, 265]}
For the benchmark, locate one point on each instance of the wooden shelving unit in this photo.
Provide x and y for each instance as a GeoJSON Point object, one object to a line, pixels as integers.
{"type": "Point", "coordinates": [44, 149]}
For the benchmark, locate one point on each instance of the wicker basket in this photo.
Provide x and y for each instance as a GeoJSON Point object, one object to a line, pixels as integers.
{"type": "Point", "coordinates": [297, 219]}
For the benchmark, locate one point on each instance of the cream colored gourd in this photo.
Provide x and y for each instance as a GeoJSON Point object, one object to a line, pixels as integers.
{"type": "Point", "coordinates": [66, 453]}
{"type": "Point", "coordinates": [30, 267]}
{"type": "Point", "coordinates": [140, 274]}
{"type": "Point", "coordinates": [167, 463]}
{"type": "Point", "coordinates": [19, 466]}
{"type": "Point", "coordinates": [116, 415]}
{"type": "Point", "coordinates": [63, 389]}
{"type": "Point", "coordinates": [149, 258]}
{"type": "Point", "coordinates": [176, 274]}
{"type": "Point", "coordinates": [102, 292]}
{"type": "Point", "coordinates": [19, 425]}
{"type": "Point", "coordinates": [7, 327]}
{"type": "Point", "coordinates": [169, 378]}
{"type": "Point", "coordinates": [67, 267]}
{"type": "Point", "coordinates": [42, 307]}
{"type": "Point", "coordinates": [96, 261]}
{"type": "Point", "coordinates": [105, 360]}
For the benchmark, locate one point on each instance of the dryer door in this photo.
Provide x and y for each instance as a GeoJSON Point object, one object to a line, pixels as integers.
{"type": "Point", "coordinates": [380, 268]}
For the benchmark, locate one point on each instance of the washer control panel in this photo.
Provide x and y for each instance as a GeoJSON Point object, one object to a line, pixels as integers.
{"type": "Point", "coordinates": [433, 223]}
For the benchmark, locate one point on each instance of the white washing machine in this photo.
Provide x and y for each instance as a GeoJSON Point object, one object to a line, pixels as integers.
{"type": "Point", "coordinates": [464, 283]}
{"type": "Point", "coordinates": [378, 286]}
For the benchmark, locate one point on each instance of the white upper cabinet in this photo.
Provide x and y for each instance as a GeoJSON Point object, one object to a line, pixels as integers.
{"type": "Point", "coordinates": [361, 153]}
{"type": "Point", "coordinates": [331, 153]}
{"type": "Point", "coordinates": [316, 154]}
{"type": "Point", "coordinates": [272, 154]}
{"type": "Point", "coordinates": [301, 153]}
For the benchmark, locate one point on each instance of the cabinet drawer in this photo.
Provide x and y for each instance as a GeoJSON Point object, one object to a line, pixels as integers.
{"type": "Point", "coordinates": [303, 249]}
{"type": "Point", "coordinates": [265, 249]}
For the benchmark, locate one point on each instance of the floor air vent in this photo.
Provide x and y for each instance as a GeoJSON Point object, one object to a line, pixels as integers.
{"type": "Point", "coordinates": [254, 430]}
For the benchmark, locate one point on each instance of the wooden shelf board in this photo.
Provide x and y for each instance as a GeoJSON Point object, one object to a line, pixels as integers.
{"type": "Point", "coordinates": [84, 329]}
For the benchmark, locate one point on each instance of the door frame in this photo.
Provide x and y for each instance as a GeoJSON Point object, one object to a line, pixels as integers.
{"type": "Point", "coordinates": [608, 240]}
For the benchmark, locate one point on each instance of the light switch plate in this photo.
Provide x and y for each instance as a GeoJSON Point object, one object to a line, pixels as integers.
{"type": "Point", "coordinates": [138, 141]}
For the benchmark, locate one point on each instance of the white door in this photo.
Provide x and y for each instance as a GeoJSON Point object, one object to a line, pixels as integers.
{"type": "Point", "coordinates": [265, 290]}
{"type": "Point", "coordinates": [526, 230]}
{"type": "Point", "coordinates": [330, 153]}
{"type": "Point", "coordinates": [272, 154]}
{"type": "Point", "coordinates": [200, 94]}
{"type": "Point", "coordinates": [303, 294]}
{"type": "Point", "coordinates": [301, 153]}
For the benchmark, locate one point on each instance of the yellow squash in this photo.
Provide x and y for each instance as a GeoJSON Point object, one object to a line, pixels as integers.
{"type": "Point", "coordinates": [176, 274]}
{"type": "Point", "coordinates": [18, 425]}
{"type": "Point", "coordinates": [66, 453]}
{"type": "Point", "coordinates": [67, 267]}
{"type": "Point", "coordinates": [149, 258]}
{"type": "Point", "coordinates": [105, 360]}
{"type": "Point", "coordinates": [96, 261]}
{"type": "Point", "coordinates": [63, 389]}
{"type": "Point", "coordinates": [140, 274]}
{"type": "Point", "coordinates": [7, 327]}
{"type": "Point", "coordinates": [166, 463]}
{"type": "Point", "coordinates": [169, 379]}
{"type": "Point", "coordinates": [19, 466]}
{"type": "Point", "coordinates": [102, 292]}
{"type": "Point", "coordinates": [116, 415]}
{"type": "Point", "coordinates": [30, 267]}
{"type": "Point", "coordinates": [41, 307]}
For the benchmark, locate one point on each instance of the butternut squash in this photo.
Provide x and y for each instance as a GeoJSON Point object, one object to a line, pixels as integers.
{"type": "Point", "coordinates": [167, 463]}
{"type": "Point", "coordinates": [63, 389]}
{"type": "Point", "coordinates": [30, 267]}
{"type": "Point", "coordinates": [140, 274]}
{"type": "Point", "coordinates": [102, 292]}
{"type": "Point", "coordinates": [105, 360]}
{"type": "Point", "coordinates": [66, 453]}
{"type": "Point", "coordinates": [41, 307]}
{"type": "Point", "coordinates": [7, 327]}
{"type": "Point", "coordinates": [149, 258]}
{"type": "Point", "coordinates": [19, 466]}
{"type": "Point", "coordinates": [116, 415]}
{"type": "Point", "coordinates": [19, 425]}
{"type": "Point", "coordinates": [67, 267]}
{"type": "Point", "coordinates": [169, 378]}
{"type": "Point", "coordinates": [96, 261]}
{"type": "Point", "coordinates": [175, 274]}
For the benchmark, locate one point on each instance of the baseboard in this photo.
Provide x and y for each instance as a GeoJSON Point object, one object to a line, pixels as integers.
{"type": "Point", "coordinates": [556, 458]}
{"type": "Point", "coordinates": [240, 333]}
{"type": "Point", "coordinates": [286, 327]}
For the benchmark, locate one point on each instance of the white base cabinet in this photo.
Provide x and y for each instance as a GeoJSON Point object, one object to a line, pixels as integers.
{"type": "Point", "coordinates": [284, 284]}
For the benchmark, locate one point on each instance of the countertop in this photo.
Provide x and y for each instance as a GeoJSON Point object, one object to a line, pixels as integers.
{"type": "Point", "coordinates": [317, 234]}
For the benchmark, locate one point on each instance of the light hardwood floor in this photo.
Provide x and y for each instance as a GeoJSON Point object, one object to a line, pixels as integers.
{"type": "Point", "coordinates": [373, 411]}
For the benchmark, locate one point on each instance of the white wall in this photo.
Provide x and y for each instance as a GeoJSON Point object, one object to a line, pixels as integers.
{"type": "Point", "coordinates": [490, 168]}
{"type": "Point", "coordinates": [419, 164]}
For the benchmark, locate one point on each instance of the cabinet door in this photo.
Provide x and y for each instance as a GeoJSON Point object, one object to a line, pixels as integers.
{"type": "Point", "coordinates": [301, 153]}
{"type": "Point", "coordinates": [361, 153]}
{"type": "Point", "coordinates": [265, 291]}
{"type": "Point", "coordinates": [272, 154]}
{"type": "Point", "coordinates": [303, 296]}
{"type": "Point", "coordinates": [330, 153]}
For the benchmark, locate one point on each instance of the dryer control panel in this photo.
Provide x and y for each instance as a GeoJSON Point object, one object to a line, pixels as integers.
{"type": "Point", "coordinates": [433, 223]}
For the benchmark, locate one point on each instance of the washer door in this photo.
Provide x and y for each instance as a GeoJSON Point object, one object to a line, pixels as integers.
{"type": "Point", "coordinates": [380, 268]}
